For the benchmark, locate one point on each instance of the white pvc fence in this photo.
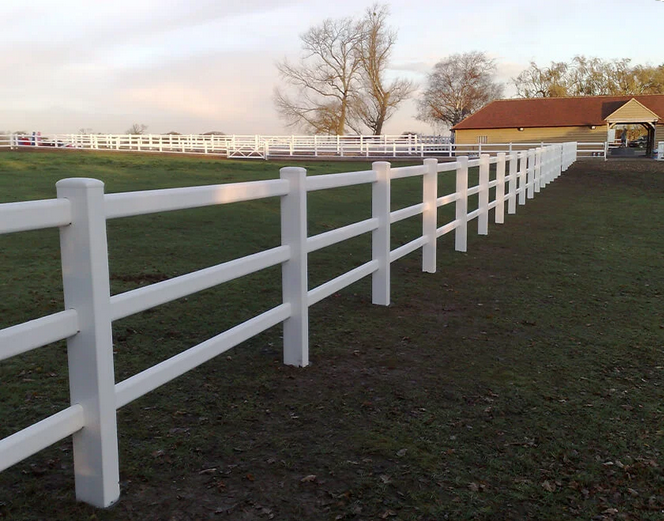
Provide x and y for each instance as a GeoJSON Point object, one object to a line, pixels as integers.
{"type": "Point", "coordinates": [240, 146]}
{"type": "Point", "coordinates": [275, 147]}
{"type": "Point", "coordinates": [660, 151]}
{"type": "Point", "coordinates": [82, 209]}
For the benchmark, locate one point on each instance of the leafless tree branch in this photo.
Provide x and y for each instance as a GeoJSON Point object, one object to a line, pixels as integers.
{"type": "Point", "coordinates": [458, 86]}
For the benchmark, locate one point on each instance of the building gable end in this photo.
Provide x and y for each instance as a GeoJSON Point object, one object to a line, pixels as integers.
{"type": "Point", "coordinates": [632, 112]}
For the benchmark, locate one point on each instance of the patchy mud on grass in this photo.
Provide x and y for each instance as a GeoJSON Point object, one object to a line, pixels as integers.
{"type": "Point", "coordinates": [524, 380]}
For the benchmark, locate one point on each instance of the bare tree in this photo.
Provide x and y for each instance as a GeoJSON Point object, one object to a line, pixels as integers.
{"type": "Point", "coordinates": [325, 80]}
{"type": "Point", "coordinates": [584, 76]}
{"type": "Point", "coordinates": [378, 99]}
{"type": "Point", "coordinates": [649, 80]}
{"type": "Point", "coordinates": [591, 77]}
{"type": "Point", "coordinates": [458, 86]}
{"type": "Point", "coordinates": [137, 128]}
{"type": "Point", "coordinates": [545, 82]}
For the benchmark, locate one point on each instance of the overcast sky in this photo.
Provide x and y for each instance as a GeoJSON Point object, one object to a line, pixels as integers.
{"type": "Point", "coordinates": [200, 65]}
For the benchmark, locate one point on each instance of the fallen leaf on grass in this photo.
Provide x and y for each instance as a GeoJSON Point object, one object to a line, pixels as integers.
{"type": "Point", "coordinates": [401, 453]}
{"type": "Point", "coordinates": [388, 513]}
{"type": "Point", "coordinates": [308, 479]}
{"type": "Point", "coordinates": [549, 486]}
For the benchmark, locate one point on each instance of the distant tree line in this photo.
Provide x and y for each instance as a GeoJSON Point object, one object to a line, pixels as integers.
{"type": "Point", "coordinates": [464, 83]}
{"type": "Point", "coordinates": [584, 76]}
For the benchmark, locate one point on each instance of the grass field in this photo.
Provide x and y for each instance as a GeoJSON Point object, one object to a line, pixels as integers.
{"type": "Point", "coordinates": [524, 380]}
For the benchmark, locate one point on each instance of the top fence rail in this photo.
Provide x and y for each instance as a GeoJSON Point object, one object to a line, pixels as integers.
{"type": "Point", "coordinates": [276, 147]}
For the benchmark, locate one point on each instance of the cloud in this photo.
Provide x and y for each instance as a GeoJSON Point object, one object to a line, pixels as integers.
{"type": "Point", "coordinates": [419, 67]}
{"type": "Point", "coordinates": [94, 33]}
{"type": "Point", "coordinates": [209, 64]}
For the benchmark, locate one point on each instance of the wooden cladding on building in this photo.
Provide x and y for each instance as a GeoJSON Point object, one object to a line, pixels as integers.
{"type": "Point", "coordinates": [535, 135]}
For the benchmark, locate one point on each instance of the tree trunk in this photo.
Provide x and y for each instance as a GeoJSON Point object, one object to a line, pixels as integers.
{"type": "Point", "coordinates": [341, 124]}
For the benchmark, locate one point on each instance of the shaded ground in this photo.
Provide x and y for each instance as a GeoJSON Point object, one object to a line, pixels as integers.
{"type": "Point", "coordinates": [524, 380]}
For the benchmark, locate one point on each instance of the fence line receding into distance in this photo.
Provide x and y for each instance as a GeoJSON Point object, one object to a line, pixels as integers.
{"type": "Point", "coordinates": [275, 147]}
{"type": "Point", "coordinates": [81, 210]}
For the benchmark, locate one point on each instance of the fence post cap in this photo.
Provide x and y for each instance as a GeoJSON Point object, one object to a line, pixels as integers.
{"type": "Point", "coordinates": [79, 182]}
{"type": "Point", "coordinates": [380, 164]}
{"type": "Point", "coordinates": [293, 170]}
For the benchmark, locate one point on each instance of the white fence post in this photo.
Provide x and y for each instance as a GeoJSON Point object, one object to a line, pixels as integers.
{"type": "Point", "coordinates": [539, 156]}
{"type": "Point", "coordinates": [86, 284]}
{"type": "Point", "coordinates": [523, 167]}
{"type": "Point", "coordinates": [430, 214]}
{"type": "Point", "coordinates": [561, 160]}
{"type": "Point", "coordinates": [511, 187]}
{"type": "Point", "coordinates": [500, 189]}
{"type": "Point", "coordinates": [553, 162]}
{"type": "Point", "coordinates": [294, 278]}
{"type": "Point", "coordinates": [380, 237]}
{"type": "Point", "coordinates": [461, 206]}
{"type": "Point", "coordinates": [530, 174]}
{"type": "Point", "coordinates": [483, 196]}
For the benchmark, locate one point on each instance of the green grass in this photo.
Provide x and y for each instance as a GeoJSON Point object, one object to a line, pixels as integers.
{"type": "Point", "coordinates": [524, 380]}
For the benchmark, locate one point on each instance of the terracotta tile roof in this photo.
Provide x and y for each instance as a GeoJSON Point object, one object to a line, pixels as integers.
{"type": "Point", "coordinates": [554, 112]}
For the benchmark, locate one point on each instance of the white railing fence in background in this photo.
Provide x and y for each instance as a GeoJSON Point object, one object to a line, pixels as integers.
{"type": "Point", "coordinates": [82, 209]}
{"type": "Point", "coordinates": [239, 146]}
{"type": "Point", "coordinates": [276, 147]}
{"type": "Point", "coordinates": [660, 151]}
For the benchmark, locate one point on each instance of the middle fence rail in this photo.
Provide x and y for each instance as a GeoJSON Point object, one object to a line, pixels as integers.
{"type": "Point", "coordinates": [81, 210]}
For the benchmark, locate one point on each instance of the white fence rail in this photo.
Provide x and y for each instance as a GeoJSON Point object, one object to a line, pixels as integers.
{"type": "Point", "coordinates": [82, 209]}
{"type": "Point", "coordinates": [240, 146]}
{"type": "Point", "coordinates": [660, 151]}
{"type": "Point", "coordinates": [276, 147]}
